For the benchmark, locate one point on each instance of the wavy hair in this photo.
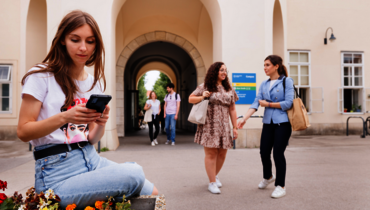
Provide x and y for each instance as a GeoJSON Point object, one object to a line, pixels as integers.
{"type": "Point", "coordinates": [59, 62]}
{"type": "Point", "coordinates": [277, 60]}
{"type": "Point", "coordinates": [150, 95]}
{"type": "Point", "coordinates": [210, 82]}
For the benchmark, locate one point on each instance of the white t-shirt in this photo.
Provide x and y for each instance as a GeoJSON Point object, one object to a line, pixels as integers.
{"type": "Point", "coordinates": [272, 82]}
{"type": "Point", "coordinates": [155, 105]}
{"type": "Point", "coordinates": [171, 102]}
{"type": "Point", "coordinates": [44, 88]}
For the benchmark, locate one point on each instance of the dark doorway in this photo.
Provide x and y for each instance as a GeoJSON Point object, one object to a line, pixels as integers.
{"type": "Point", "coordinates": [186, 79]}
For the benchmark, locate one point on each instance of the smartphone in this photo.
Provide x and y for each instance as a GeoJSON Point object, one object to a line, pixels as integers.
{"type": "Point", "coordinates": [98, 102]}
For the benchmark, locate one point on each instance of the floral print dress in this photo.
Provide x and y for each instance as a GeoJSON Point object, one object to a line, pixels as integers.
{"type": "Point", "coordinates": [216, 132]}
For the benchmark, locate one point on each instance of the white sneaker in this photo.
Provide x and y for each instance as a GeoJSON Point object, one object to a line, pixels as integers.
{"type": "Point", "coordinates": [219, 185]}
{"type": "Point", "coordinates": [263, 184]}
{"type": "Point", "coordinates": [153, 144]}
{"type": "Point", "coordinates": [278, 192]}
{"type": "Point", "coordinates": [167, 142]}
{"type": "Point", "coordinates": [155, 141]}
{"type": "Point", "coordinates": [212, 187]}
{"type": "Point", "coordinates": [173, 144]}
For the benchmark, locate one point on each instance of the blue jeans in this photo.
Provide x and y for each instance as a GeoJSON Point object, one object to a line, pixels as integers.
{"type": "Point", "coordinates": [82, 177]}
{"type": "Point", "coordinates": [170, 127]}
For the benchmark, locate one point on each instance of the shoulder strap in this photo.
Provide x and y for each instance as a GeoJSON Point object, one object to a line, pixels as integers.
{"type": "Point", "coordinates": [176, 96]}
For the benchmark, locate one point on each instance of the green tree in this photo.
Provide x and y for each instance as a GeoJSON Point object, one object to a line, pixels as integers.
{"type": "Point", "coordinates": [142, 92]}
{"type": "Point", "coordinates": [160, 86]}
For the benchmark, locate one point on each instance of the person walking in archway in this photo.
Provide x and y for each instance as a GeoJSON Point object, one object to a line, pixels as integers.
{"type": "Point", "coordinates": [276, 130]}
{"type": "Point", "coordinates": [171, 111]}
{"type": "Point", "coordinates": [215, 134]}
{"type": "Point", "coordinates": [154, 104]}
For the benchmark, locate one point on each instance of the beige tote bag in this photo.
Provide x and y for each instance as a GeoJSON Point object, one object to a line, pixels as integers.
{"type": "Point", "coordinates": [148, 115]}
{"type": "Point", "coordinates": [198, 113]}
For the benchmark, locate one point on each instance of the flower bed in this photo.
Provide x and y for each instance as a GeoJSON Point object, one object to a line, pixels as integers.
{"type": "Point", "coordinates": [51, 201]}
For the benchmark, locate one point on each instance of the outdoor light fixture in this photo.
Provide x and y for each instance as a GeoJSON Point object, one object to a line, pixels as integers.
{"type": "Point", "coordinates": [332, 38]}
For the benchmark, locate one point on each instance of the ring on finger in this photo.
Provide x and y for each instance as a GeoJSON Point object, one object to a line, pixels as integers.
{"type": "Point", "coordinates": [101, 115]}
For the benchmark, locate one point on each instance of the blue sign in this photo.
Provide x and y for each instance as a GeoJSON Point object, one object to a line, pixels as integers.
{"type": "Point", "coordinates": [245, 87]}
{"type": "Point", "coordinates": [244, 78]}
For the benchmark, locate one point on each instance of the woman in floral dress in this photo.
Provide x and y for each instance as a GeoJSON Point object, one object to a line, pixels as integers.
{"type": "Point", "coordinates": [215, 134]}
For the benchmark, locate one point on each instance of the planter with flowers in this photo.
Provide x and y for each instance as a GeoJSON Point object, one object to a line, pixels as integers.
{"type": "Point", "coordinates": [50, 201]}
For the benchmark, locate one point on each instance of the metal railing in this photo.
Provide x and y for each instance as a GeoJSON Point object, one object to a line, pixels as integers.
{"type": "Point", "coordinates": [364, 125]}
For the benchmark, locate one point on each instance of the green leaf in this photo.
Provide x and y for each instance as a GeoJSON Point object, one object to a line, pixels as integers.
{"type": "Point", "coordinates": [7, 204]}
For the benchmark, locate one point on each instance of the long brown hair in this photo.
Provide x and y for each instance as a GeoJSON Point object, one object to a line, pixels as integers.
{"type": "Point", "coordinates": [277, 60]}
{"type": "Point", "coordinates": [59, 62]}
{"type": "Point", "coordinates": [210, 82]}
{"type": "Point", "coordinates": [150, 94]}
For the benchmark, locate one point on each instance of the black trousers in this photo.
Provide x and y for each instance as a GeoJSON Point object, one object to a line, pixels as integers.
{"type": "Point", "coordinates": [154, 122]}
{"type": "Point", "coordinates": [275, 136]}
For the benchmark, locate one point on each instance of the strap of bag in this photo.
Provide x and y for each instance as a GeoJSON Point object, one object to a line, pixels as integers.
{"type": "Point", "coordinates": [296, 92]}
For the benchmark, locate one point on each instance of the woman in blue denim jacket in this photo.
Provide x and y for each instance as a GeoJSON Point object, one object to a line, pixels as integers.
{"type": "Point", "coordinates": [276, 129]}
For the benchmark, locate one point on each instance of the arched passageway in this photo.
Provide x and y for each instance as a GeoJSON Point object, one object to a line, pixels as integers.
{"type": "Point", "coordinates": [182, 67]}
{"type": "Point", "coordinates": [278, 30]}
{"type": "Point", "coordinates": [36, 35]}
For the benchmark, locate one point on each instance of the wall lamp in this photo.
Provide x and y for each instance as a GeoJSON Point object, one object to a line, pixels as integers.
{"type": "Point", "coordinates": [332, 38]}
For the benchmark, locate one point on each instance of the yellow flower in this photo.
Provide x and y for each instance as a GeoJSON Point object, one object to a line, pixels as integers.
{"type": "Point", "coordinates": [71, 207]}
{"type": "Point", "coordinates": [45, 208]}
{"type": "Point", "coordinates": [99, 204]}
{"type": "Point", "coordinates": [89, 208]}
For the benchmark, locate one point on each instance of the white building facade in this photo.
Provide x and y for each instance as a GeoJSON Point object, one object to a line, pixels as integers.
{"type": "Point", "coordinates": [182, 38]}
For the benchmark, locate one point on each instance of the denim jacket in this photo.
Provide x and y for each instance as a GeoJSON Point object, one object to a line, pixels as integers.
{"type": "Point", "coordinates": [273, 95]}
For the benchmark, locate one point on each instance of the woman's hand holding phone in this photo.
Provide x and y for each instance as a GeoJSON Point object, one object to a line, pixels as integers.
{"type": "Point", "coordinates": [103, 118]}
{"type": "Point", "coordinates": [80, 115]}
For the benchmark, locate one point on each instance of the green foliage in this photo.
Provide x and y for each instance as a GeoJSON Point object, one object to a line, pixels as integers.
{"type": "Point", "coordinates": [104, 149]}
{"type": "Point", "coordinates": [142, 92]}
{"type": "Point", "coordinates": [7, 204]}
{"type": "Point", "coordinates": [160, 86]}
{"type": "Point", "coordinates": [125, 205]}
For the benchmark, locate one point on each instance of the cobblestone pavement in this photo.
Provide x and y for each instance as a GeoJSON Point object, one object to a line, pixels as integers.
{"type": "Point", "coordinates": [323, 172]}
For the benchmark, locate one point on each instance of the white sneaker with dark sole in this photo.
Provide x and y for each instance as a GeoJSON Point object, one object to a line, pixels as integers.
{"type": "Point", "coordinates": [219, 185]}
{"type": "Point", "coordinates": [153, 144]}
{"type": "Point", "coordinates": [278, 192]}
{"type": "Point", "coordinates": [263, 184]}
{"type": "Point", "coordinates": [212, 187]}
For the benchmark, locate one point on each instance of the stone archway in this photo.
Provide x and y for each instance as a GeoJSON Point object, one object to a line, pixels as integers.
{"type": "Point", "coordinates": [154, 36]}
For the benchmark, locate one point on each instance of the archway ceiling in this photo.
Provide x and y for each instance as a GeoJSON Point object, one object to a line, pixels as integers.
{"type": "Point", "coordinates": [186, 12]}
{"type": "Point", "coordinates": [163, 49]}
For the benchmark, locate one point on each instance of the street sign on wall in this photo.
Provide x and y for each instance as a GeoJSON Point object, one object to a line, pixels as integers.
{"type": "Point", "coordinates": [245, 87]}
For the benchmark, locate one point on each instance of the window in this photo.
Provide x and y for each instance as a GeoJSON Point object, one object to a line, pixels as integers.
{"type": "Point", "coordinates": [5, 88]}
{"type": "Point", "coordinates": [351, 94]}
{"type": "Point", "coordinates": [299, 66]}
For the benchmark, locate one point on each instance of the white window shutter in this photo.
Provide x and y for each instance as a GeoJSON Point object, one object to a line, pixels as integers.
{"type": "Point", "coordinates": [317, 99]}
{"type": "Point", "coordinates": [366, 100]}
{"type": "Point", "coordinates": [340, 100]}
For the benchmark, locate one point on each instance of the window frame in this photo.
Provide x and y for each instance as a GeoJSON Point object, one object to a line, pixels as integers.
{"type": "Point", "coordinates": [343, 87]}
{"type": "Point", "coordinates": [299, 64]}
{"type": "Point", "coordinates": [10, 82]}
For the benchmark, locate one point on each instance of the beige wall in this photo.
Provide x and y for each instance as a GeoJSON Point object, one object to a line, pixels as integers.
{"type": "Point", "coordinates": [240, 33]}
{"type": "Point", "coordinates": [10, 54]}
{"type": "Point", "coordinates": [307, 31]}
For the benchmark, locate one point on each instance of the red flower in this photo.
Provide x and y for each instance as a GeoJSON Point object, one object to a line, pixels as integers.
{"type": "Point", "coordinates": [110, 203]}
{"type": "Point", "coordinates": [3, 185]}
{"type": "Point", "coordinates": [2, 197]}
